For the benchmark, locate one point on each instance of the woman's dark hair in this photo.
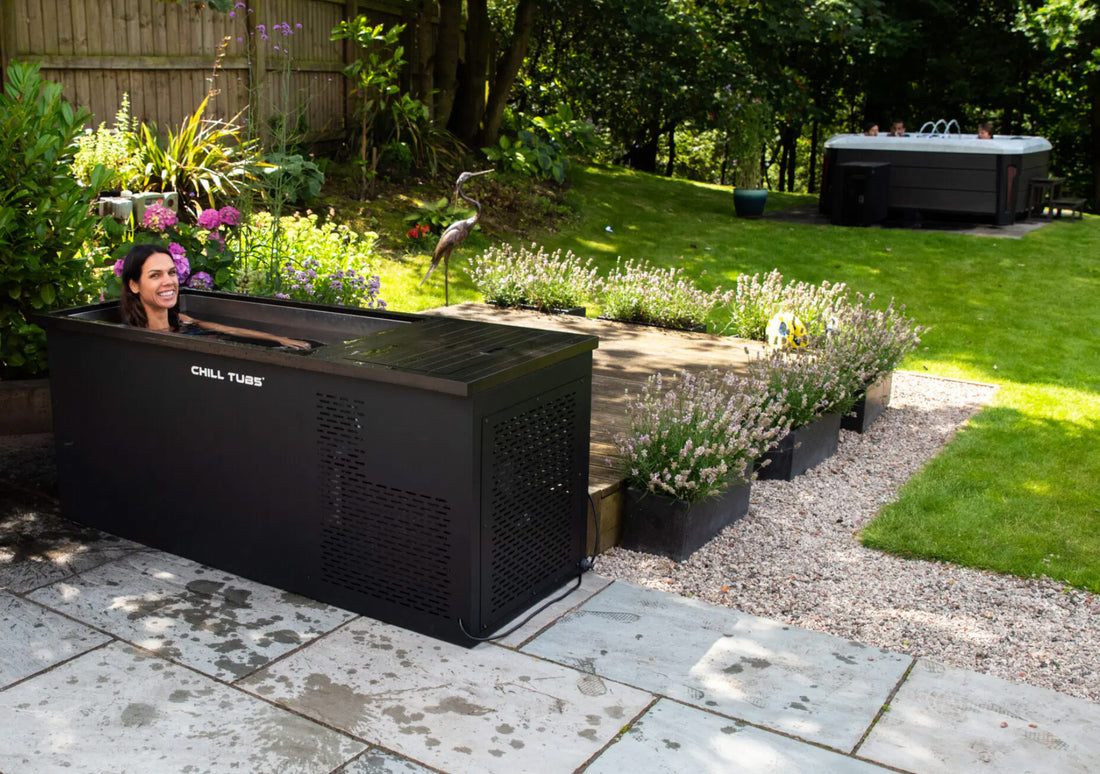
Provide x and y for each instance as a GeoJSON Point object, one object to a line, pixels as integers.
{"type": "Point", "coordinates": [130, 307]}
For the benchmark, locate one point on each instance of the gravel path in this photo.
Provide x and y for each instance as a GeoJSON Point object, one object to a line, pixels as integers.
{"type": "Point", "coordinates": [795, 558]}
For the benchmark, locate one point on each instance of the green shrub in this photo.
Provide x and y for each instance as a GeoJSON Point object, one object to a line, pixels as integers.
{"type": "Point", "coordinates": [541, 145]}
{"type": "Point", "coordinates": [44, 215]}
{"type": "Point", "coordinates": [299, 257]}
{"type": "Point", "coordinates": [288, 178]}
{"type": "Point", "coordinates": [115, 148]}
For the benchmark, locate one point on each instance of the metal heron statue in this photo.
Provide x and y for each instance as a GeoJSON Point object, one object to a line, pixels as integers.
{"type": "Point", "coordinates": [454, 235]}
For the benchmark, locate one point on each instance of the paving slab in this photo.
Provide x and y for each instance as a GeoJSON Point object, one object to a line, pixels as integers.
{"type": "Point", "coordinates": [672, 738]}
{"type": "Point", "coordinates": [382, 762]}
{"type": "Point", "coordinates": [949, 720]}
{"type": "Point", "coordinates": [38, 547]}
{"type": "Point", "coordinates": [477, 711]}
{"type": "Point", "coordinates": [205, 618]}
{"type": "Point", "coordinates": [33, 639]}
{"type": "Point", "coordinates": [807, 684]}
{"type": "Point", "coordinates": [591, 583]}
{"type": "Point", "coordinates": [118, 709]}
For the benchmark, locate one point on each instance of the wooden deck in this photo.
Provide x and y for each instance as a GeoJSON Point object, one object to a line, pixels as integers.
{"type": "Point", "coordinates": [626, 357]}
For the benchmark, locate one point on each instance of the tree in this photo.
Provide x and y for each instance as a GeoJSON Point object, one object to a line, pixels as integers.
{"type": "Point", "coordinates": [473, 90]}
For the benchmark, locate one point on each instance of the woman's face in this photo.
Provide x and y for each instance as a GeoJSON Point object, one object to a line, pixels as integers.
{"type": "Point", "coordinates": [158, 287]}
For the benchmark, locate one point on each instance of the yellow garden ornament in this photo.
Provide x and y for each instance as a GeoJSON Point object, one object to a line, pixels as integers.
{"type": "Point", "coordinates": [786, 331]}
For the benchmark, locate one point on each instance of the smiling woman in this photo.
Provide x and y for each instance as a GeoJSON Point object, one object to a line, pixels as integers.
{"type": "Point", "coordinates": [150, 298]}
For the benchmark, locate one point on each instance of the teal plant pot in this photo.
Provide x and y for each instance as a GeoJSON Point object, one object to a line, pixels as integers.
{"type": "Point", "coordinates": [749, 202]}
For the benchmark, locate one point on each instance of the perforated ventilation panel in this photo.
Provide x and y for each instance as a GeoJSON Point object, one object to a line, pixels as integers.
{"type": "Point", "coordinates": [532, 480]}
{"type": "Point", "coordinates": [385, 543]}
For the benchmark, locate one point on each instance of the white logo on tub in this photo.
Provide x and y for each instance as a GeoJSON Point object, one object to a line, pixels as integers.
{"type": "Point", "coordinates": [228, 376]}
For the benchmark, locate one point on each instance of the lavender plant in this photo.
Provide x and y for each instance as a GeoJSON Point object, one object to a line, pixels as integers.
{"type": "Point", "coordinates": [870, 343]}
{"type": "Point", "coordinates": [528, 276]}
{"type": "Point", "coordinates": [694, 437]}
{"type": "Point", "coordinates": [755, 300]}
{"type": "Point", "coordinates": [639, 292]}
{"type": "Point", "coordinates": [803, 384]}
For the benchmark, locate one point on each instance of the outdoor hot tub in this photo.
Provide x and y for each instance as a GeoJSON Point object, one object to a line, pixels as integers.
{"type": "Point", "coordinates": [421, 470]}
{"type": "Point", "coordinates": [938, 173]}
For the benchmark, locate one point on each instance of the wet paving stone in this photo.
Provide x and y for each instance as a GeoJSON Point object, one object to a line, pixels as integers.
{"type": "Point", "coordinates": [118, 710]}
{"type": "Point", "coordinates": [479, 711]}
{"type": "Point", "coordinates": [810, 685]}
{"type": "Point", "coordinates": [216, 622]}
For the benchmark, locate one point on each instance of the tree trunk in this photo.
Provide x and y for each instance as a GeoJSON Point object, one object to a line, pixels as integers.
{"type": "Point", "coordinates": [1095, 141]}
{"type": "Point", "coordinates": [473, 75]}
{"type": "Point", "coordinates": [425, 58]}
{"type": "Point", "coordinates": [507, 67]}
{"type": "Point", "coordinates": [671, 152]}
{"type": "Point", "coordinates": [643, 156]}
{"type": "Point", "coordinates": [811, 186]}
{"type": "Point", "coordinates": [448, 43]}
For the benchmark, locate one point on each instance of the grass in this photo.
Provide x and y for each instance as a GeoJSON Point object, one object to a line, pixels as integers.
{"type": "Point", "coordinates": [1015, 492]}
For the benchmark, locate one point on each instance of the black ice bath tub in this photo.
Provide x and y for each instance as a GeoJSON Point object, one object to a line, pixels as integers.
{"type": "Point", "coordinates": [425, 471]}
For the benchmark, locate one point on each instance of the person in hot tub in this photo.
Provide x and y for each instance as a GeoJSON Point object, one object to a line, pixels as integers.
{"type": "Point", "coordinates": [150, 298]}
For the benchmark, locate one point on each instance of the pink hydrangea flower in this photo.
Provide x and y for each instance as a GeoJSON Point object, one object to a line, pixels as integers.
{"type": "Point", "coordinates": [202, 281]}
{"type": "Point", "coordinates": [159, 218]}
{"type": "Point", "coordinates": [117, 269]}
{"type": "Point", "coordinates": [230, 216]}
{"type": "Point", "coordinates": [210, 219]}
{"type": "Point", "coordinates": [183, 268]}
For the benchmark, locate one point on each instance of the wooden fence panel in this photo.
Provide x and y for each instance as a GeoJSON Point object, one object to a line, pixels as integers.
{"type": "Point", "coordinates": [164, 55]}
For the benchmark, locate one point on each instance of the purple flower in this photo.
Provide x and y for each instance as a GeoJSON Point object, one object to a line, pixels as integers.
{"type": "Point", "coordinates": [230, 216]}
{"type": "Point", "coordinates": [183, 268]}
{"type": "Point", "coordinates": [117, 269]}
{"type": "Point", "coordinates": [201, 280]}
{"type": "Point", "coordinates": [176, 250]}
{"type": "Point", "coordinates": [159, 218]}
{"type": "Point", "coordinates": [210, 219]}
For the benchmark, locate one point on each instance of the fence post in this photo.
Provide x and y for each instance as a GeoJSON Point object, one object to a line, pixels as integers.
{"type": "Point", "coordinates": [7, 37]}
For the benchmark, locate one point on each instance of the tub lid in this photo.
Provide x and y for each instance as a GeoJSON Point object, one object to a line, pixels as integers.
{"type": "Point", "coordinates": [954, 143]}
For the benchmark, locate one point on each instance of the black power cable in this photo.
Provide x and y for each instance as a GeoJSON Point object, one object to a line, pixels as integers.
{"type": "Point", "coordinates": [586, 564]}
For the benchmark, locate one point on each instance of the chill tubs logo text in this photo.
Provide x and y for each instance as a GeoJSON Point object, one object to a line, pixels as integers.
{"type": "Point", "coordinates": [229, 376]}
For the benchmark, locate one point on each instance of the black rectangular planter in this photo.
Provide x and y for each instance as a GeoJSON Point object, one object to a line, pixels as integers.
{"type": "Point", "coordinates": [419, 470]}
{"type": "Point", "coordinates": [801, 449]}
{"type": "Point", "coordinates": [867, 409]}
{"type": "Point", "coordinates": [657, 524]}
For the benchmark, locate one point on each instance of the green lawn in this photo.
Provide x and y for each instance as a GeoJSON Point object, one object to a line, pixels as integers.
{"type": "Point", "coordinates": [1017, 490]}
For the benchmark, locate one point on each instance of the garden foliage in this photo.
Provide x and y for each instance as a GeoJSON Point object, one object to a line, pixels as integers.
{"type": "Point", "coordinates": [639, 292]}
{"type": "Point", "coordinates": [304, 259]}
{"type": "Point", "coordinates": [44, 215]}
{"type": "Point", "coordinates": [530, 277]}
{"type": "Point", "coordinates": [116, 148]}
{"type": "Point", "coordinates": [693, 436]}
{"type": "Point", "coordinates": [206, 160]}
